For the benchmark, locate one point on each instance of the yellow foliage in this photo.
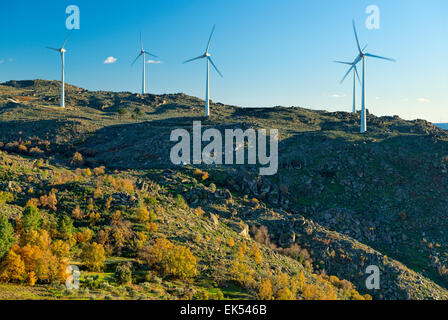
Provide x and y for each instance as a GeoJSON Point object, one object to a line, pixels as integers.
{"type": "Point", "coordinates": [13, 268]}
{"type": "Point", "coordinates": [199, 212]}
{"type": "Point", "coordinates": [77, 213]}
{"type": "Point", "coordinates": [34, 259]}
{"type": "Point", "coordinates": [98, 193]}
{"type": "Point", "coordinates": [93, 256]}
{"type": "Point", "coordinates": [256, 254]}
{"type": "Point", "coordinates": [77, 160]}
{"type": "Point", "coordinates": [282, 280]}
{"type": "Point", "coordinates": [151, 227]}
{"type": "Point", "coordinates": [142, 214]}
{"type": "Point", "coordinates": [284, 294]}
{"type": "Point", "coordinates": [172, 260]}
{"type": "Point", "coordinates": [242, 273]}
{"type": "Point", "coordinates": [265, 291]}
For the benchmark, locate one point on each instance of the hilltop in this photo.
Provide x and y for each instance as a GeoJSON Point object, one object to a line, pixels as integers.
{"type": "Point", "coordinates": [340, 202]}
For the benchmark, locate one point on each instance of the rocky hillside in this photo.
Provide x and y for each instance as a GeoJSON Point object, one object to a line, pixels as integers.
{"type": "Point", "coordinates": [340, 202]}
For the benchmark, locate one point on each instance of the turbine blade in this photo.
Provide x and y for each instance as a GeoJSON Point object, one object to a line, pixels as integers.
{"type": "Point", "coordinates": [141, 41]}
{"type": "Point", "coordinates": [357, 74]}
{"type": "Point", "coordinates": [211, 61]}
{"type": "Point", "coordinates": [197, 58]}
{"type": "Point", "coordinates": [136, 59]}
{"type": "Point", "coordinates": [365, 47]}
{"type": "Point", "coordinates": [59, 50]}
{"type": "Point", "coordinates": [210, 38]}
{"type": "Point", "coordinates": [356, 36]}
{"type": "Point", "coordinates": [345, 76]}
{"type": "Point", "coordinates": [152, 55]}
{"type": "Point", "coordinates": [66, 39]}
{"type": "Point", "coordinates": [379, 57]}
{"type": "Point", "coordinates": [349, 63]}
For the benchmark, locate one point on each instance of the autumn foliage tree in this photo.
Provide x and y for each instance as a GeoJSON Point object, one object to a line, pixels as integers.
{"type": "Point", "coordinates": [35, 258]}
{"type": "Point", "coordinates": [170, 260]}
{"type": "Point", "coordinates": [93, 256]}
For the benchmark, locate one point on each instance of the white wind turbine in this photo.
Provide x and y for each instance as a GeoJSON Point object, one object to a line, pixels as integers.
{"type": "Point", "coordinates": [362, 56]}
{"type": "Point", "coordinates": [143, 53]}
{"type": "Point", "coordinates": [355, 75]}
{"type": "Point", "coordinates": [207, 56]}
{"type": "Point", "coordinates": [62, 51]}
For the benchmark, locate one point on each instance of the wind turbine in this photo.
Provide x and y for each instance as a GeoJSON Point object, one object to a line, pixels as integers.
{"type": "Point", "coordinates": [362, 56]}
{"type": "Point", "coordinates": [207, 56]}
{"type": "Point", "coordinates": [143, 53]}
{"type": "Point", "coordinates": [62, 51]}
{"type": "Point", "coordinates": [355, 75]}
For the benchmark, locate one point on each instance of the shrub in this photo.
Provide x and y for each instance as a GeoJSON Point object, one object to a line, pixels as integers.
{"type": "Point", "coordinates": [201, 294]}
{"type": "Point", "coordinates": [199, 211]}
{"type": "Point", "coordinates": [99, 171]}
{"type": "Point", "coordinates": [6, 197]}
{"type": "Point", "coordinates": [179, 201]}
{"type": "Point", "coordinates": [123, 273]}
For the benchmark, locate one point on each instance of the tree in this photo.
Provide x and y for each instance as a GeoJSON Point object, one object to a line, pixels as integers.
{"type": "Point", "coordinates": [31, 218]}
{"type": "Point", "coordinates": [77, 213]}
{"type": "Point", "coordinates": [93, 256]}
{"type": "Point", "coordinates": [242, 273]}
{"type": "Point", "coordinates": [170, 259]}
{"type": "Point", "coordinates": [77, 160]}
{"type": "Point", "coordinates": [284, 294]}
{"type": "Point", "coordinates": [265, 291]}
{"type": "Point", "coordinates": [142, 214]}
{"type": "Point", "coordinates": [123, 273]}
{"type": "Point", "coordinates": [256, 254]}
{"type": "Point", "coordinates": [6, 236]}
{"type": "Point", "coordinates": [65, 227]}
{"type": "Point", "coordinates": [13, 268]}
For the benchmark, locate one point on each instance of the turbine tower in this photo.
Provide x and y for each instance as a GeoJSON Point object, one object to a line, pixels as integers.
{"type": "Point", "coordinates": [207, 56]}
{"type": "Point", "coordinates": [355, 75]}
{"type": "Point", "coordinates": [362, 56]}
{"type": "Point", "coordinates": [143, 53]}
{"type": "Point", "coordinates": [62, 51]}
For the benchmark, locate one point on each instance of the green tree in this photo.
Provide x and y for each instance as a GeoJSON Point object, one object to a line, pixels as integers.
{"type": "Point", "coordinates": [31, 219]}
{"type": "Point", "coordinates": [6, 236]}
{"type": "Point", "coordinates": [65, 227]}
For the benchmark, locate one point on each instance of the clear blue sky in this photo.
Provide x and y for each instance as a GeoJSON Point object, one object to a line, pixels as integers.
{"type": "Point", "coordinates": [271, 52]}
